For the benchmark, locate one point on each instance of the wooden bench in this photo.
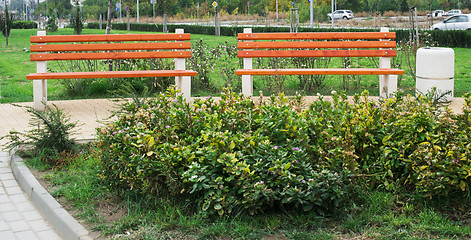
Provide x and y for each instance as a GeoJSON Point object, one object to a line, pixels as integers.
{"type": "Point", "coordinates": [109, 47]}
{"type": "Point", "coordinates": [319, 44]}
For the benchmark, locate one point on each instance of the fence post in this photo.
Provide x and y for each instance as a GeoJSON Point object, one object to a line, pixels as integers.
{"type": "Point", "coordinates": [387, 83]}
{"type": "Point", "coordinates": [40, 85]}
{"type": "Point", "coordinates": [182, 82]}
{"type": "Point", "coordinates": [247, 80]}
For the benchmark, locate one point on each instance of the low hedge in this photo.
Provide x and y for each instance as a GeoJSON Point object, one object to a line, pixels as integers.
{"type": "Point", "coordinates": [440, 38]}
{"type": "Point", "coordinates": [237, 154]}
{"type": "Point", "coordinates": [24, 25]}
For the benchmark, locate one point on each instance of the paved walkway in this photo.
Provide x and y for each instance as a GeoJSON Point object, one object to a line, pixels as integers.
{"type": "Point", "coordinates": [19, 217]}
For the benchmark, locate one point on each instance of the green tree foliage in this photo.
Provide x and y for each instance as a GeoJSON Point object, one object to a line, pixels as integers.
{"type": "Point", "coordinates": [5, 16]}
{"type": "Point", "coordinates": [77, 19]}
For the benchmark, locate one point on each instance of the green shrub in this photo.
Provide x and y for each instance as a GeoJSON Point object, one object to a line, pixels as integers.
{"type": "Point", "coordinates": [50, 134]}
{"type": "Point", "coordinates": [224, 156]}
{"type": "Point", "coordinates": [236, 154]}
{"type": "Point", "coordinates": [24, 25]}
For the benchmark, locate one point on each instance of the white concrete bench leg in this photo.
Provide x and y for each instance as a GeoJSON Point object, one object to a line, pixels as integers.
{"type": "Point", "coordinates": [247, 80]}
{"type": "Point", "coordinates": [40, 86]}
{"type": "Point", "coordinates": [387, 83]}
{"type": "Point", "coordinates": [183, 83]}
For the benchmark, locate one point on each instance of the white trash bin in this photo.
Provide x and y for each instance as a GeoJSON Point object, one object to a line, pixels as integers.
{"type": "Point", "coordinates": [435, 68]}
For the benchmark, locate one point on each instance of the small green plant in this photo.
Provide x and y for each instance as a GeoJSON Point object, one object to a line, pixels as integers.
{"type": "Point", "coordinates": [77, 19]}
{"type": "Point", "coordinates": [50, 132]}
{"type": "Point", "coordinates": [51, 25]}
{"type": "Point", "coordinates": [6, 22]}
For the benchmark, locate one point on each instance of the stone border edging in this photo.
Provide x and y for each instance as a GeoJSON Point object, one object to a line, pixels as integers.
{"type": "Point", "coordinates": [61, 221]}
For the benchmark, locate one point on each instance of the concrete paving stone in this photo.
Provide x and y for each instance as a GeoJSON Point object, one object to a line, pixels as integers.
{"type": "Point", "coordinates": [27, 235]}
{"type": "Point", "coordinates": [6, 176]}
{"type": "Point", "coordinates": [8, 235]}
{"type": "Point", "coordinates": [7, 207]}
{"type": "Point", "coordinates": [24, 206]}
{"type": "Point", "coordinates": [19, 226]}
{"type": "Point", "coordinates": [9, 183]}
{"type": "Point", "coordinates": [31, 215]}
{"type": "Point", "coordinates": [39, 225]}
{"type": "Point", "coordinates": [3, 225]}
{"type": "Point", "coordinates": [5, 170]}
{"type": "Point", "coordinates": [4, 199]}
{"type": "Point", "coordinates": [2, 190]}
{"type": "Point", "coordinates": [48, 235]}
{"type": "Point", "coordinates": [11, 216]}
{"type": "Point", "coordinates": [13, 190]}
{"type": "Point", "coordinates": [18, 198]}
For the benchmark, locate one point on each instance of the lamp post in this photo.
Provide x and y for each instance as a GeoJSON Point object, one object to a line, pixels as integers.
{"type": "Point", "coordinates": [332, 14]}
{"type": "Point", "coordinates": [277, 10]}
{"type": "Point", "coordinates": [311, 12]}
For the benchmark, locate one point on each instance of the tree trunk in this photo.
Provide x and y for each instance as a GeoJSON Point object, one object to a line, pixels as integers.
{"type": "Point", "coordinates": [108, 23]}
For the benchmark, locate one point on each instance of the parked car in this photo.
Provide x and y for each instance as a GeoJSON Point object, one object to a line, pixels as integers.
{"type": "Point", "coordinates": [453, 12]}
{"type": "Point", "coordinates": [341, 14]}
{"type": "Point", "coordinates": [456, 22]}
{"type": "Point", "coordinates": [436, 13]}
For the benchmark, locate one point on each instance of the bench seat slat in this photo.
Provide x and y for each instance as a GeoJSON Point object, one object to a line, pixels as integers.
{"type": "Point", "coordinates": [110, 47]}
{"type": "Point", "coordinates": [112, 74]}
{"type": "Point", "coordinates": [316, 53]}
{"type": "Point", "coordinates": [329, 71]}
{"type": "Point", "coordinates": [317, 35]}
{"type": "Point", "coordinates": [109, 55]}
{"type": "Point", "coordinates": [317, 44]}
{"type": "Point", "coordinates": [110, 38]}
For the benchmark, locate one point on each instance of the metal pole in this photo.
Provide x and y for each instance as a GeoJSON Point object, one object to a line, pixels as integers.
{"type": "Point", "coordinates": [153, 10]}
{"type": "Point", "coordinates": [277, 10]}
{"type": "Point", "coordinates": [137, 11]}
{"type": "Point", "coordinates": [120, 10]}
{"type": "Point", "coordinates": [332, 14]}
{"type": "Point", "coordinates": [311, 11]}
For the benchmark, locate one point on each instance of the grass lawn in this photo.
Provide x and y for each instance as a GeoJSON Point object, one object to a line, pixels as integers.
{"type": "Point", "coordinates": [15, 65]}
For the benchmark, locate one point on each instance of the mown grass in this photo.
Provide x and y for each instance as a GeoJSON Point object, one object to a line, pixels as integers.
{"type": "Point", "coordinates": [128, 215]}
{"type": "Point", "coordinates": [15, 65]}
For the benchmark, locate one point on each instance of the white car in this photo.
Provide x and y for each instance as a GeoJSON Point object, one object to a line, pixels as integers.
{"type": "Point", "coordinates": [341, 14]}
{"type": "Point", "coordinates": [437, 13]}
{"type": "Point", "coordinates": [453, 12]}
{"type": "Point", "coordinates": [456, 22]}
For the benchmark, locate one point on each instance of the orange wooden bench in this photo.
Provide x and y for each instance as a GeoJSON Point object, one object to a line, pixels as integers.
{"type": "Point", "coordinates": [109, 47]}
{"type": "Point", "coordinates": [319, 44]}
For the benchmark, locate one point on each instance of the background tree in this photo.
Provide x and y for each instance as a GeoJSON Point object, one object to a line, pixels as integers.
{"type": "Point", "coordinates": [6, 21]}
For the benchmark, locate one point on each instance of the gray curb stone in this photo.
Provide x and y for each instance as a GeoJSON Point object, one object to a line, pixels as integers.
{"type": "Point", "coordinates": [63, 223]}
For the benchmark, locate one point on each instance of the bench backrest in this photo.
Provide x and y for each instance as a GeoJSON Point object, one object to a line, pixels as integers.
{"type": "Point", "coordinates": [332, 44]}
{"type": "Point", "coordinates": [105, 47]}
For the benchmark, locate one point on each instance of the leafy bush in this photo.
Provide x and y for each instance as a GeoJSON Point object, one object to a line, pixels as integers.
{"type": "Point", "coordinates": [24, 25]}
{"type": "Point", "coordinates": [237, 154]}
{"type": "Point", "coordinates": [51, 25]}
{"type": "Point", "coordinates": [223, 156]}
{"type": "Point", "coordinates": [50, 134]}
{"type": "Point", "coordinates": [76, 19]}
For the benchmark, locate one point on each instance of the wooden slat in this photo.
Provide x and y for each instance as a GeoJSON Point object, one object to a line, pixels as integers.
{"type": "Point", "coordinates": [317, 44]}
{"type": "Point", "coordinates": [317, 35]}
{"type": "Point", "coordinates": [110, 46]}
{"type": "Point", "coordinates": [110, 38]}
{"type": "Point", "coordinates": [109, 55]}
{"type": "Point", "coordinates": [332, 71]}
{"type": "Point", "coordinates": [116, 74]}
{"type": "Point", "coordinates": [317, 53]}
